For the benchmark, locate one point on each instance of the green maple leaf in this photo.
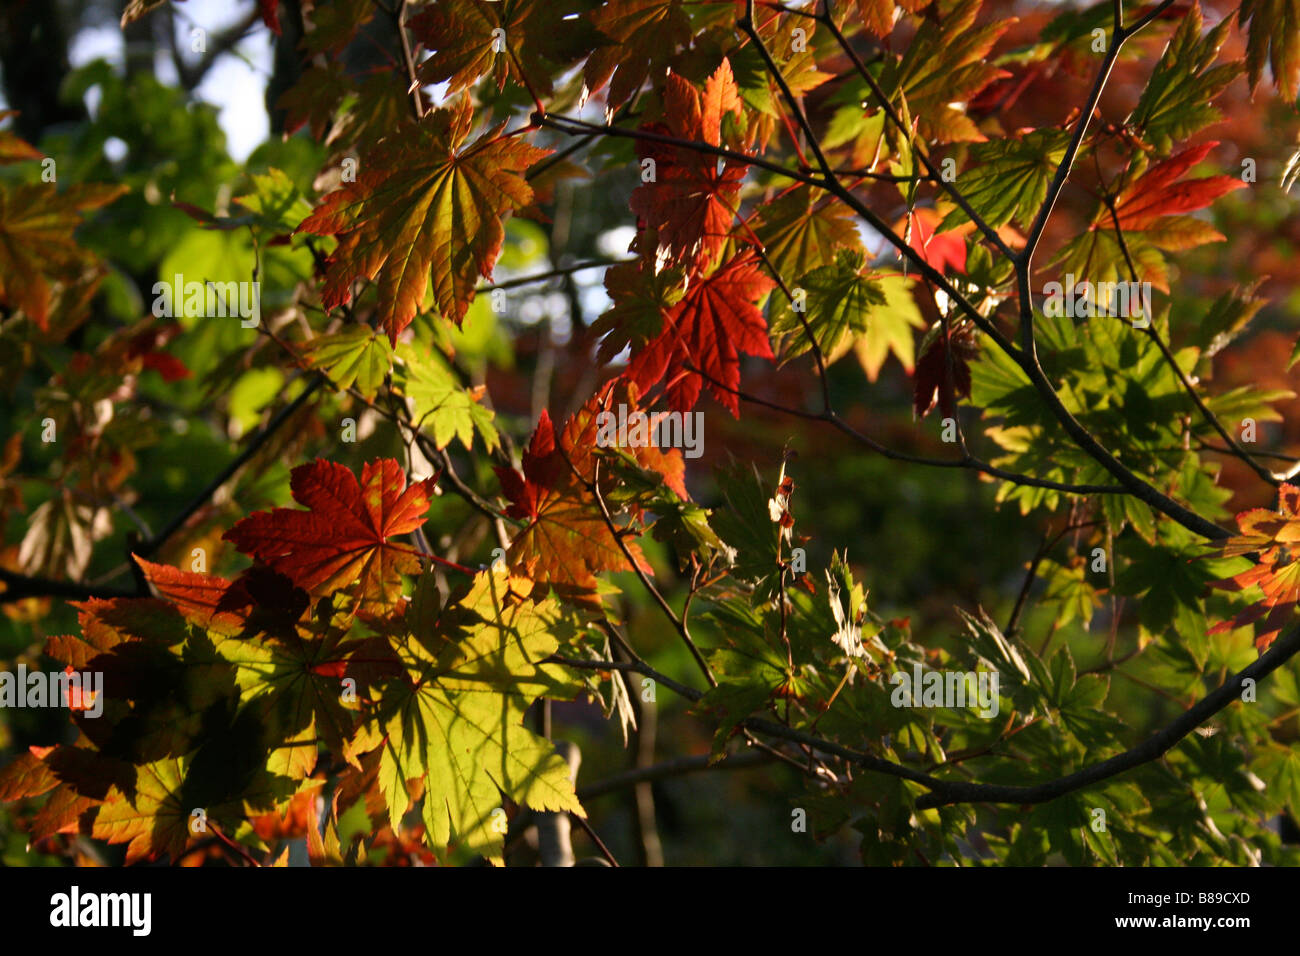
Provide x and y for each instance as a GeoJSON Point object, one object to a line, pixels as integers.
{"type": "Point", "coordinates": [456, 725]}
{"type": "Point", "coordinates": [840, 301]}
{"type": "Point", "coordinates": [275, 202]}
{"type": "Point", "coordinates": [889, 329]}
{"type": "Point", "coordinates": [292, 686]}
{"type": "Point", "coordinates": [1069, 588]}
{"type": "Point", "coordinates": [152, 819]}
{"type": "Point", "coordinates": [1010, 178]}
{"type": "Point", "coordinates": [355, 355]}
{"type": "Point", "coordinates": [1280, 766]}
{"type": "Point", "coordinates": [799, 236]}
{"type": "Point", "coordinates": [441, 402]}
{"type": "Point", "coordinates": [946, 63]}
{"type": "Point", "coordinates": [851, 124]}
{"type": "Point", "coordinates": [423, 205]}
{"type": "Point", "coordinates": [1176, 100]}
{"type": "Point", "coordinates": [1098, 255]}
{"type": "Point", "coordinates": [153, 814]}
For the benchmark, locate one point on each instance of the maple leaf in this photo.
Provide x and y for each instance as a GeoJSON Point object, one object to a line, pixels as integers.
{"type": "Point", "coordinates": [878, 15]}
{"type": "Point", "coordinates": [37, 245]}
{"type": "Point", "coordinates": [889, 329]}
{"type": "Point", "coordinates": [714, 322]}
{"type": "Point", "coordinates": [313, 100]}
{"type": "Point", "coordinates": [640, 37]}
{"type": "Point", "coordinates": [1175, 103]}
{"type": "Point", "coordinates": [800, 234]}
{"type": "Point", "coordinates": [567, 538]}
{"type": "Point", "coordinates": [152, 817]}
{"type": "Point", "coordinates": [515, 38]}
{"type": "Point", "coordinates": [27, 775]}
{"type": "Point", "coordinates": [75, 779]}
{"type": "Point", "coordinates": [1009, 181]}
{"type": "Point", "coordinates": [840, 300]}
{"type": "Point", "coordinates": [441, 402]}
{"type": "Point", "coordinates": [456, 726]}
{"type": "Point", "coordinates": [204, 599]}
{"type": "Point", "coordinates": [1149, 212]}
{"type": "Point", "coordinates": [147, 347]}
{"type": "Point", "coordinates": [640, 297]}
{"type": "Point", "coordinates": [421, 203]}
{"type": "Point", "coordinates": [690, 203]}
{"type": "Point", "coordinates": [356, 354]}
{"type": "Point", "coordinates": [343, 537]}
{"type": "Point", "coordinates": [1274, 535]}
{"type": "Point", "coordinates": [759, 89]}
{"type": "Point", "coordinates": [15, 149]}
{"type": "Point", "coordinates": [943, 252]}
{"type": "Point", "coordinates": [542, 467]}
{"type": "Point", "coordinates": [931, 382]}
{"type": "Point", "coordinates": [1158, 194]}
{"type": "Point", "coordinates": [291, 683]}
{"type": "Point", "coordinates": [1272, 39]}
{"type": "Point", "coordinates": [946, 65]}
{"type": "Point", "coordinates": [152, 813]}
{"type": "Point", "coordinates": [96, 636]}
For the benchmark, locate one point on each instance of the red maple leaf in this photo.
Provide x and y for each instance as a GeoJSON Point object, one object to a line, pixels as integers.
{"type": "Point", "coordinates": [1156, 193]}
{"type": "Point", "coordinates": [715, 321]}
{"type": "Point", "coordinates": [690, 203]}
{"type": "Point", "coordinates": [270, 10]}
{"type": "Point", "coordinates": [931, 383]}
{"type": "Point", "coordinates": [543, 466]}
{"type": "Point", "coordinates": [199, 597]}
{"type": "Point", "coordinates": [344, 535]}
{"type": "Point", "coordinates": [147, 346]}
{"type": "Point", "coordinates": [943, 252]}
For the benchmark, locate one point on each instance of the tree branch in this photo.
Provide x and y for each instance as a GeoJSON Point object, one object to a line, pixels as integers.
{"type": "Point", "coordinates": [947, 792]}
{"type": "Point", "coordinates": [966, 461]}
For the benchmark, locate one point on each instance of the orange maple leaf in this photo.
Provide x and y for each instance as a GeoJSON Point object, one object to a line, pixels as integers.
{"type": "Point", "coordinates": [1273, 535]}
{"type": "Point", "coordinates": [690, 202]}
{"type": "Point", "coordinates": [567, 539]}
{"type": "Point", "coordinates": [37, 245]}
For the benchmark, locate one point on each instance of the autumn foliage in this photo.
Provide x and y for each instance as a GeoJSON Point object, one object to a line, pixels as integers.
{"type": "Point", "coordinates": [352, 568]}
